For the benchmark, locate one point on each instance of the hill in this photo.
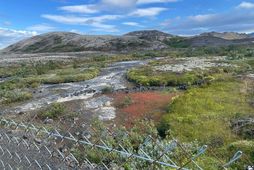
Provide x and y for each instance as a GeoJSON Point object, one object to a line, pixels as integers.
{"type": "Point", "coordinates": [133, 41]}
{"type": "Point", "coordinates": [211, 40]}
{"type": "Point", "coordinates": [150, 35]}
{"type": "Point", "coordinates": [226, 35]}
{"type": "Point", "coordinates": [251, 35]}
{"type": "Point", "coordinates": [72, 42]}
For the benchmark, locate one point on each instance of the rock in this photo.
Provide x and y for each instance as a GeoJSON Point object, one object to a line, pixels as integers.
{"type": "Point", "coordinates": [48, 121]}
{"type": "Point", "coordinates": [38, 141]}
{"type": "Point", "coordinates": [76, 119]}
{"type": "Point", "coordinates": [243, 127]}
{"type": "Point", "coordinates": [21, 113]}
{"type": "Point", "coordinates": [108, 104]}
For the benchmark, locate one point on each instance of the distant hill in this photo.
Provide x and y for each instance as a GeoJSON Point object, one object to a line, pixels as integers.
{"type": "Point", "coordinates": [251, 35]}
{"type": "Point", "coordinates": [150, 35]}
{"type": "Point", "coordinates": [72, 42]}
{"type": "Point", "coordinates": [133, 41]}
{"type": "Point", "coordinates": [226, 35]}
{"type": "Point", "coordinates": [208, 40]}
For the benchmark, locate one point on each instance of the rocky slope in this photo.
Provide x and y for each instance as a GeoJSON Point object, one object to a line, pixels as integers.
{"type": "Point", "coordinates": [251, 35]}
{"type": "Point", "coordinates": [71, 42]}
{"type": "Point", "coordinates": [133, 41]}
{"type": "Point", "coordinates": [226, 35]}
{"type": "Point", "coordinates": [216, 41]}
{"type": "Point", "coordinates": [150, 35]}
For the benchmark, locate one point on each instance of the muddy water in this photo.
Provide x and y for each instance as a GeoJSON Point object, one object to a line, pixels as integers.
{"type": "Point", "coordinates": [112, 76]}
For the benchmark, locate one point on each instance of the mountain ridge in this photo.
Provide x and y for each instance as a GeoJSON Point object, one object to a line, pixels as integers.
{"type": "Point", "coordinates": [132, 41]}
{"type": "Point", "coordinates": [226, 35]}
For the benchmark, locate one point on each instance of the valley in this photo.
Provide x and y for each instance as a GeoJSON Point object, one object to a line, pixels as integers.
{"type": "Point", "coordinates": [199, 95]}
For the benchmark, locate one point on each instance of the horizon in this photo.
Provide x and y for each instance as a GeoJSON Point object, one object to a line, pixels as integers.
{"type": "Point", "coordinates": [111, 17]}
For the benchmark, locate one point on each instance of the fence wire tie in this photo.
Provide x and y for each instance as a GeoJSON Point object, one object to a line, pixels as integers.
{"type": "Point", "coordinates": [236, 156]}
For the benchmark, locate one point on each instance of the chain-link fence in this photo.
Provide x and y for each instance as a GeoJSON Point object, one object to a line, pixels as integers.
{"type": "Point", "coordinates": [26, 146]}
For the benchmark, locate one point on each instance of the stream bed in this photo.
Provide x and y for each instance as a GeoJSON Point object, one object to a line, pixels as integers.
{"type": "Point", "coordinates": [85, 92]}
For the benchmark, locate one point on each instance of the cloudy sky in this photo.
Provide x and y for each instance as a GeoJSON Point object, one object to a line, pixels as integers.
{"type": "Point", "coordinates": [21, 19]}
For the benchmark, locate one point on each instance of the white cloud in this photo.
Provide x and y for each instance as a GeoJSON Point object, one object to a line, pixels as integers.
{"type": "Point", "coordinates": [155, 1]}
{"type": "Point", "coordinates": [202, 18]}
{"type": "Point", "coordinates": [97, 22]}
{"type": "Point", "coordinates": [134, 24]}
{"type": "Point", "coordinates": [74, 20]}
{"type": "Point", "coordinates": [88, 9]}
{"type": "Point", "coordinates": [119, 3]}
{"type": "Point", "coordinates": [147, 12]}
{"type": "Point", "coordinates": [246, 5]}
{"type": "Point", "coordinates": [76, 31]}
{"type": "Point", "coordinates": [120, 9]}
{"type": "Point", "coordinates": [233, 20]}
{"type": "Point", "coordinates": [77, 20]}
{"type": "Point", "coordinates": [10, 36]}
{"type": "Point", "coordinates": [41, 28]}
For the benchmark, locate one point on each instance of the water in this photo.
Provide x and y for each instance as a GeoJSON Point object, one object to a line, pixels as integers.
{"type": "Point", "coordinates": [46, 94]}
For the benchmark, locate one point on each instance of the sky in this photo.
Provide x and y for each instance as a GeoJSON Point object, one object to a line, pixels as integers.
{"type": "Point", "coordinates": [20, 19]}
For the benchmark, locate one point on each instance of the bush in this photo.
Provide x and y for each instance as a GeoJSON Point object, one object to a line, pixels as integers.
{"type": "Point", "coordinates": [53, 112]}
{"type": "Point", "coordinates": [14, 96]}
{"type": "Point", "coordinates": [107, 89]}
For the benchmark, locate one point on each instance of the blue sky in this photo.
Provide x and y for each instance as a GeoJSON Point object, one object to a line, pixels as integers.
{"type": "Point", "coordinates": [21, 19]}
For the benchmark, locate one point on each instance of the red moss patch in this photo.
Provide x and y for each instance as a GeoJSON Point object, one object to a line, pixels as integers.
{"type": "Point", "coordinates": [135, 106]}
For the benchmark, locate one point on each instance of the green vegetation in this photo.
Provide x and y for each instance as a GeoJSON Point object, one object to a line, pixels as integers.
{"type": "Point", "coordinates": [147, 76]}
{"type": "Point", "coordinates": [8, 97]}
{"type": "Point", "coordinates": [54, 111]}
{"type": "Point", "coordinates": [204, 114]}
{"type": "Point", "coordinates": [201, 115]}
{"type": "Point", "coordinates": [177, 42]}
{"type": "Point", "coordinates": [107, 89]}
{"type": "Point", "coordinates": [25, 76]}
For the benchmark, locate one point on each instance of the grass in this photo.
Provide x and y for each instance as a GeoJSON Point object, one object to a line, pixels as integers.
{"type": "Point", "coordinates": [204, 114]}
{"type": "Point", "coordinates": [146, 76]}
{"type": "Point", "coordinates": [25, 76]}
{"type": "Point", "coordinates": [8, 97]}
{"type": "Point", "coordinates": [54, 111]}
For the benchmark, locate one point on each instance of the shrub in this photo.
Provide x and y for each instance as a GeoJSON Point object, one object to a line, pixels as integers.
{"type": "Point", "coordinates": [14, 96]}
{"type": "Point", "coordinates": [54, 111]}
{"type": "Point", "coordinates": [107, 89]}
